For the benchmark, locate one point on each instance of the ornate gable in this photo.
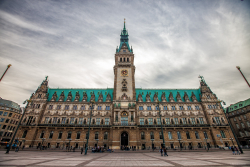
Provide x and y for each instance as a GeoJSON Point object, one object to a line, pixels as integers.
{"type": "Point", "coordinates": [178, 97]}
{"type": "Point", "coordinates": [77, 96]}
{"type": "Point", "coordinates": [69, 96]}
{"type": "Point", "coordinates": [61, 96]}
{"type": "Point", "coordinates": [85, 97]}
{"type": "Point", "coordinates": [100, 98]}
{"type": "Point", "coordinates": [148, 98]}
{"type": "Point", "coordinates": [186, 97]}
{"type": "Point", "coordinates": [54, 96]}
{"type": "Point", "coordinates": [171, 97]}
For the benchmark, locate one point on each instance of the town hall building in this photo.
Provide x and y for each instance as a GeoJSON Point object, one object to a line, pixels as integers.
{"type": "Point", "coordinates": [124, 115]}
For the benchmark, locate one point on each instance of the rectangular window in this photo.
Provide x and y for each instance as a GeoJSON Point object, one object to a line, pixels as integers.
{"type": "Point", "coordinates": [106, 121]}
{"type": "Point", "coordinates": [217, 119]}
{"type": "Point", "coordinates": [63, 120]}
{"type": "Point", "coordinates": [82, 107]}
{"type": "Point", "coordinates": [184, 121]}
{"type": "Point", "coordinates": [170, 135]}
{"type": "Point", "coordinates": [97, 121]}
{"type": "Point", "coordinates": [201, 120]}
{"type": "Point", "coordinates": [5, 114]}
{"type": "Point", "coordinates": [167, 121]}
{"type": "Point", "coordinates": [165, 107]}
{"type": "Point", "coordinates": [140, 107]}
{"type": "Point", "coordinates": [192, 121]}
{"type": "Point", "coordinates": [189, 108]}
{"type": "Point", "coordinates": [176, 121]}
{"type": "Point", "coordinates": [156, 108]}
{"type": "Point", "coordinates": [46, 120]}
{"type": "Point", "coordinates": [173, 107]}
{"type": "Point", "coordinates": [239, 118]}
{"type": "Point", "coordinates": [2, 119]}
{"type": "Point", "coordinates": [72, 120]}
{"type": "Point", "coordinates": [237, 125]}
{"type": "Point", "coordinates": [243, 125]}
{"type": "Point", "coordinates": [209, 107]}
{"type": "Point", "coordinates": [74, 107]}
{"type": "Point", "coordinates": [107, 107]}
{"type": "Point", "coordinates": [214, 106]}
{"type": "Point", "coordinates": [148, 107]}
{"type": "Point", "coordinates": [10, 114]}
{"type": "Point", "coordinates": [50, 107]}
{"type": "Point", "coordinates": [99, 108]}
{"type": "Point", "coordinates": [197, 107]}
{"type": "Point", "coordinates": [60, 135]}
{"type": "Point", "coordinates": [58, 107]}
{"type": "Point", "coordinates": [4, 126]}
{"type": "Point", "coordinates": [66, 107]}
{"type": "Point", "coordinates": [248, 124]}
{"type": "Point", "coordinates": [1, 112]}
{"type": "Point", "coordinates": [150, 121]}
{"type": "Point", "coordinates": [181, 107]}
{"type": "Point", "coordinates": [141, 121]}
{"type": "Point", "coordinates": [158, 121]}
{"type": "Point", "coordinates": [7, 120]}
{"type": "Point", "coordinates": [80, 121]}
{"type": "Point", "coordinates": [54, 120]}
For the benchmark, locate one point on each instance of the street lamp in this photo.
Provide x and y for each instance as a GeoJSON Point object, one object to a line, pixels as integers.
{"type": "Point", "coordinates": [180, 144]}
{"type": "Point", "coordinates": [91, 106]}
{"type": "Point", "coordinates": [232, 140]}
{"type": "Point", "coordinates": [238, 143]}
{"type": "Point", "coordinates": [28, 101]}
{"type": "Point", "coordinates": [158, 105]}
{"type": "Point", "coordinates": [153, 145]}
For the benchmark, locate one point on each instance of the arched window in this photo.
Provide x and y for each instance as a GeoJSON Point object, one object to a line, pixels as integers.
{"type": "Point", "coordinates": [51, 135]}
{"type": "Point", "coordinates": [205, 135]}
{"type": "Point", "coordinates": [124, 59]}
{"type": "Point", "coordinates": [169, 135]}
{"type": "Point", "coordinates": [127, 59]}
{"type": "Point", "coordinates": [106, 136]}
{"type": "Point", "coordinates": [222, 134]}
{"type": "Point", "coordinates": [96, 135]}
{"type": "Point", "coordinates": [179, 135]}
{"type": "Point", "coordinates": [69, 135]}
{"type": "Point", "coordinates": [188, 135]}
{"type": "Point", "coordinates": [197, 135]}
{"type": "Point", "coordinates": [59, 135]}
{"type": "Point", "coordinates": [152, 135]}
{"type": "Point", "coordinates": [78, 135]}
{"type": "Point", "coordinates": [120, 59]}
{"type": "Point", "coordinates": [42, 134]}
{"type": "Point", "coordinates": [161, 137]}
{"type": "Point", "coordinates": [24, 134]}
{"type": "Point", "coordinates": [142, 135]}
{"type": "Point", "coordinates": [222, 120]}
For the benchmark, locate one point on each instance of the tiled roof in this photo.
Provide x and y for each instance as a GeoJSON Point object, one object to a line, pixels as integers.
{"type": "Point", "coordinates": [238, 105]}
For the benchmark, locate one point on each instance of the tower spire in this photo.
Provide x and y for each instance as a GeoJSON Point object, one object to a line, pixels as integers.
{"type": "Point", "coordinates": [124, 24]}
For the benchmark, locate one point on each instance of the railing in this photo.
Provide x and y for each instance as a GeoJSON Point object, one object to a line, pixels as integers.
{"type": "Point", "coordinates": [187, 125]}
{"type": "Point", "coordinates": [72, 125]}
{"type": "Point", "coordinates": [124, 124]}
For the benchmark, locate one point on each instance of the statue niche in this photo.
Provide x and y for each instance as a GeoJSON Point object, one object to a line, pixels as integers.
{"type": "Point", "coordinates": [124, 85]}
{"type": "Point", "coordinates": [124, 96]}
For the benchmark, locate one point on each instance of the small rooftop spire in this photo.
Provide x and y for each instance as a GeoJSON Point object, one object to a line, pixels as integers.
{"type": "Point", "coordinates": [124, 23]}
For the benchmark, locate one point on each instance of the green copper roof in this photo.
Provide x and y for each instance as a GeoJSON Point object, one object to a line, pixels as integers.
{"type": "Point", "coordinates": [238, 105]}
{"type": "Point", "coordinates": [89, 92]}
{"type": "Point", "coordinates": [159, 93]}
{"type": "Point", "coordinates": [124, 39]}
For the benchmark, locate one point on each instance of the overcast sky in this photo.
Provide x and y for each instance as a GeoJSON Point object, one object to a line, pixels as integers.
{"type": "Point", "coordinates": [74, 42]}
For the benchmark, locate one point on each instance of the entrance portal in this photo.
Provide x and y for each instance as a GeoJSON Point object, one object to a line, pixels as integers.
{"type": "Point", "coordinates": [124, 139]}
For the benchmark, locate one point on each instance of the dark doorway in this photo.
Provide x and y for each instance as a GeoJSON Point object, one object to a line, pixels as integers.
{"type": "Point", "coordinates": [95, 145]}
{"type": "Point", "coordinates": [199, 145]}
{"type": "Point", "coordinates": [143, 146]}
{"type": "Point", "coordinates": [76, 145]}
{"type": "Point", "coordinates": [105, 145]}
{"type": "Point", "coordinates": [48, 145]}
{"type": "Point", "coordinates": [153, 146]}
{"type": "Point", "coordinates": [162, 145]}
{"type": "Point", "coordinates": [172, 146]}
{"type": "Point", "coordinates": [57, 145]}
{"type": "Point", "coordinates": [124, 139]}
{"type": "Point", "coordinates": [226, 144]}
{"type": "Point", "coordinates": [208, 145]}
{"type": "Point", "coordinates": [181, 145]}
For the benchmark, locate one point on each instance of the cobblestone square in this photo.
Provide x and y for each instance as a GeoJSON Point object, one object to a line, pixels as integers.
{"type": "Point", "coordinates": [124, 159]}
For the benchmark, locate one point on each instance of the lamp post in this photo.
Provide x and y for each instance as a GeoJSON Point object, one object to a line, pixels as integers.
{"type": "Point", "coordinates": [92, 105]}
{"type": "Point", "coordinates": [152, 144]}
{"type": "Point", "coordinates": [158, 104]}
{"type": "Point", "coordinates": [237, 141]}
{"type": "Point", "coordinates": [28, 101]}
{"type": "Point", "coordinates": [180, 144]}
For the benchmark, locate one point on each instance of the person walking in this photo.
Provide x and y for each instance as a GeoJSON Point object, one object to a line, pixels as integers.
{"type": "Point", "coordinates": [236, 149]}
{"type": "Point", "coordinates": [165, 151]}
{"type": "Point", "coordinates": [232, 148]}
{"type": "Point", "coordinates": [161, 151]}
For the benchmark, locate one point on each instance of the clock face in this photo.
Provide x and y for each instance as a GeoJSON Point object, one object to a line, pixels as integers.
{"type": "Point", "coordinates": [124, 72]}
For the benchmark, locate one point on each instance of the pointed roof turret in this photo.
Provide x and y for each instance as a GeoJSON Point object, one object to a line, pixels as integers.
{"type": "Point", "coordinates": [124, 39]}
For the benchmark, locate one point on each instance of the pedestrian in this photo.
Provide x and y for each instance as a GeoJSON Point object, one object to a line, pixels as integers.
{"type": "Point", "coordinates": [232, 148]}
{"type": "Point", "coordinates": [17, 148]}
{"type": "Point", "coordinates": [161, 151]}
{"type": "Point", "coordinates": [81, 150]}
{"type": "Point", "coordinates": [165, 151]}
{"type": "Point", "coordinates": [236, 149]}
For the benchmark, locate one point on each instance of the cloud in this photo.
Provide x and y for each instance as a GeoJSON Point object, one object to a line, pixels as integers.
{"type": "Point", "coordinates": [73, 42]}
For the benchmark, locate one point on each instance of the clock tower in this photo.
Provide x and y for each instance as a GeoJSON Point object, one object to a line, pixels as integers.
{"type": "Point", "coordinates": [124, 71]}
